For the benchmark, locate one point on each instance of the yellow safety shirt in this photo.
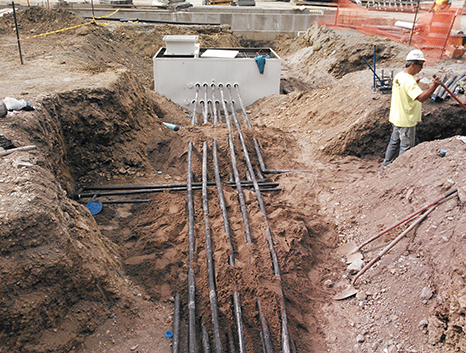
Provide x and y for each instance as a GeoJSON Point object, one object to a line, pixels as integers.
{"type": "Point", "coordinates": [405, 110]}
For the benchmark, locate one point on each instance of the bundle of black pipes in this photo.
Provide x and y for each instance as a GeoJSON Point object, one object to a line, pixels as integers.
{"type": "Point", "coordinates": [235, 340]}
{"type": "Point", "coordinates": [266, 341]}
{"type": "Point", "coordinates": [273, 254]}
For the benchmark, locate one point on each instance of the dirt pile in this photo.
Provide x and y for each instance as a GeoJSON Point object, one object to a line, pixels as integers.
{"type": "Point", "coordinates": [72, 282]}
{"type": "Point", "coordinates": [60, 277]}
{"type": "Point", "coordinates": [321, 55]}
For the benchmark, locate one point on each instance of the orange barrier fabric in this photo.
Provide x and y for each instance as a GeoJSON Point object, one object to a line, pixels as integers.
{"type": "Point", "coordinates": [433, 31]}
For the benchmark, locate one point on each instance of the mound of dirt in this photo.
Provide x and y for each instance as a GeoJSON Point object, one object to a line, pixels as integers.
{"type": "Point", "coordinates": [321, 55]}
{"type": "Point", "coordinates": [76, 282]}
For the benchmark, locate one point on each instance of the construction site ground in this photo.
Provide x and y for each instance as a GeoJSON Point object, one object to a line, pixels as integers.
{"type": "Point", "coordinates": [73, 282]}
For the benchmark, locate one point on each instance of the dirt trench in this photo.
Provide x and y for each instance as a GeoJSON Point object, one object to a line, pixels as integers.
{"type": "Point", "coordinates": [94, 138]}
{"type": "Point", "coordinates": [74, 282]}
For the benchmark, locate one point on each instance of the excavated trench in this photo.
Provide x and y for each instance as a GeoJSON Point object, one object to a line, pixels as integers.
{"type": "Point", "coordinates": [227, 251]}
{"type": "Point", "coordinates": [241, 260]}
{"type": "Point", "coordinates": [114, 136]}
{"type": "Point", "coordinates": [102, 138]}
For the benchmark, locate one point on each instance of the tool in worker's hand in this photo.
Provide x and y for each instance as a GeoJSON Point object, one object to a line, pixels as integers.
{"type": "Point", "coordinates": [452, 94]}
{"type": "Point", "coordinates": [348, 249]}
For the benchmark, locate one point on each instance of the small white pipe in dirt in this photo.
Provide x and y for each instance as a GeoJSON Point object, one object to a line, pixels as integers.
{"type": "Point", "coordinates": [24, 148]}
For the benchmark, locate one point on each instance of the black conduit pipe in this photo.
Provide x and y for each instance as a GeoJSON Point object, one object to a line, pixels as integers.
{"type": "Point", "coordinates": [236, 299]}
{"type": "Point", "coordinates": [176, 324]}
{"type": "Point", "coordinates": [196, 98]}
{"type": "Point", "coordinates": [221, 198]}
{"type": "Point", "coordinates": [265, 333]}
{"type": "Point", "coordinates": [191, 277]}
{"type": "Point", "coordinates": [225, 110]}
{"type": "Point", "coordinates": [285, 335]}
{"type": "Point", "coordinates": [190, 206]}
{"type": "Point", "coordinates": [127, 201]}
{"type": "Point", "coordinates": [233, 112]}
{"type": "Point", "coordinates": [214, 104]}
{"type": "Point", "coordinates": [242, 200]}
{"type": "Point", "coordinates": [260, 177]}
{"type": "Point", "coordinates": [270, 189]}
{"type": "Point", "coordinates": [203, 108]}
{"type": "Point", "coordinates": [442, 94]}
{"type": "Point", "coordinates": [210, 110]}
{"type": "Point", "coordinates": [231, 342]}
{"type": "Point", "coordinates": [219, 111]}
{"type": "Point", "coordinates": [210, 257]}
{"type": "Point", "coordinates": [192, 310]}
{"type": "Point", "coordinates": [239, 322]}
{"type": "Point", "coordinates": [206, 117]}
{"type": "Point", "coordinates": [205, 338]}
{"type": "Point", "coordinates": [258, 194]}
{"type": "Point", "coordinates": [439, 88]}
{"type": "Point", "coordinates": [239, 188]}
{"type": "Point", "coordinates": [262, 342]}
{"type": "Point", "coordinates": [249, 183]}
{"type": "Point", "coordinates": [132, 187]}
{"type": "Point", "coordinates": [132, 192]}
{"type": "Point", "coordinates": [295, 349]}
{"type": "Point", "coordinates": [242, 106]}
{"type": "Point", "coordinates": [259, 156]}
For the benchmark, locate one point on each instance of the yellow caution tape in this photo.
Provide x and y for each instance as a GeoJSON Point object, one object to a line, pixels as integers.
{"type": "Point", "coordinates": [74, 27]}
{"type": "Point", "coordinates": [114, 12]}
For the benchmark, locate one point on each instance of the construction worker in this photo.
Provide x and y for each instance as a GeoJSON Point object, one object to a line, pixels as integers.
{"type": "Point", "coordinates": [405, 107]}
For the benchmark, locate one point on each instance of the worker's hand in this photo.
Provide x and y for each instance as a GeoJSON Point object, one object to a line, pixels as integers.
{"type": "Point", "coordinates": [418, 79]}
{"type": "Point", "coordinates": [437, 82]}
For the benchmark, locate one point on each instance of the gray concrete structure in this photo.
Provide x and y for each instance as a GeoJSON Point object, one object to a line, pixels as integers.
{"type": "Point", "coordinates": [254, 22]}
{"type": "Point", "coordinates": [264, 21]}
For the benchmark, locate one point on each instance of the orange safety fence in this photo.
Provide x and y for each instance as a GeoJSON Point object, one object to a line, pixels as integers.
{"type": "Point", "coordinates": [435, 32]}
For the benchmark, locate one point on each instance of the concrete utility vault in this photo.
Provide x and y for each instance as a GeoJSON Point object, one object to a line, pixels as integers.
{"type": "Point", "coordinates": [186, 73]}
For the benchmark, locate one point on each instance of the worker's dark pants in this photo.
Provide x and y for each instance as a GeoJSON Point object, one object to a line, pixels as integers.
{"type": "Point", "coordinates": [402, 139]}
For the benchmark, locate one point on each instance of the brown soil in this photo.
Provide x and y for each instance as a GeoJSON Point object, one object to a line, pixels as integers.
{"type": "Point", "coordinates": [73, 282]}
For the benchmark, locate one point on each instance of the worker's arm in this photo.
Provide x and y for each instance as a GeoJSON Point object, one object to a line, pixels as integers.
{"type": "Point", "coordinates": [428, 92]}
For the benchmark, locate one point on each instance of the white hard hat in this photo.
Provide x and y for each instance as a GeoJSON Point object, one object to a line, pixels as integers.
{"type": "Point", "coordinates": [416, 55]}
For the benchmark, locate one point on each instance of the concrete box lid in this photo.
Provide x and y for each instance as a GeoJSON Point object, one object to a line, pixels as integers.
{"type": "Point", "coordinates": [180, 38]}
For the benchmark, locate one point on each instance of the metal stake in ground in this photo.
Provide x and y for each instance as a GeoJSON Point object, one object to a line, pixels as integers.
{"type": "Point", "coordinates": [17, 33]}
